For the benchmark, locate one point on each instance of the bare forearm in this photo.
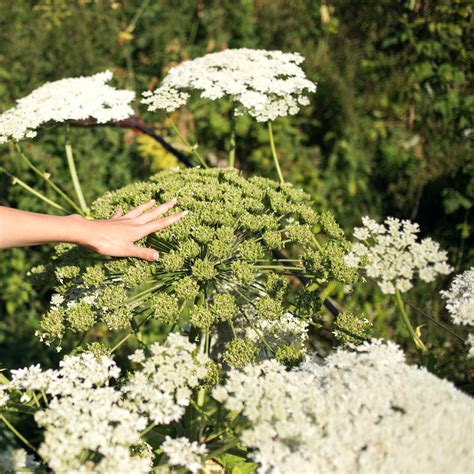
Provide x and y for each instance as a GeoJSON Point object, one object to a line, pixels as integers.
{"type": "Point", "coordinates": [113, 237]}
{"type": "Point", "coordinates": [21, 228]}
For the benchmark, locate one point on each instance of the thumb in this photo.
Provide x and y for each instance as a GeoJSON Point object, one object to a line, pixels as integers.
{"type": "Point", "coordinates": [143, 253]}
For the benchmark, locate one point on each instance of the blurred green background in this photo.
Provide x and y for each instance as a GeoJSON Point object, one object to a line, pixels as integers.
{"type": "Point", "coordinates": [389, 131]}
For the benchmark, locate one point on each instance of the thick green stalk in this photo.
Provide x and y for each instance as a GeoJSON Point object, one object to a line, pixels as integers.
{"type": "Point", "coordinates": [328, 290]}
{"type": "Point", "coordinates": [232, 141]}
{"type": "Point", "coordinates": [416, 339]}
{"type": "Point", "coordinates": [274, 153]}
{"type": "Point", "coordinates": [192, 148]}
{"type": "Point", "coordinates": [75, 178]}
{"type": "Point", "coordinates": [39, 195]}
{"type": "Point", "coordinates": [17, 433]}
{"type": "Point", "coordinates": [47, 178]}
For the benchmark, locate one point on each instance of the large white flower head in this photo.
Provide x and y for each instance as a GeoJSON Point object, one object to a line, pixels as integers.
{"type": "Point", "coordinates": [460, 298]}
{"type": "Point", "coordinates": [391, 254]}
{"type": "Point", "coordinates": [360, 411]}
{"type": "Point", "coordinates": [265, 84]}
{"type": "Point", "coordinates": [77, 98]}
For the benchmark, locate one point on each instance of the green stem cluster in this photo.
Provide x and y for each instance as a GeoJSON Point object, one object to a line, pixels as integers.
{"type": "Point", "coordinates": [416, 338]}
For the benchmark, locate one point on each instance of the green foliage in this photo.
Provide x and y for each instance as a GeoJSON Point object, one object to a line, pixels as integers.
{"type": "Point", "coordinates": [387, 133]}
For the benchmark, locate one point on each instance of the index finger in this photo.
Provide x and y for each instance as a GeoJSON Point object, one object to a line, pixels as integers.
{"type": "Point", "coordinates": [155, 226]}
{"type": "Point", "coordinates": [155, 212]}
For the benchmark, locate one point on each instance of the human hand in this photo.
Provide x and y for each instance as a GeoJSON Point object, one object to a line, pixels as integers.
{"type": "Point", "coordinates": [116, 237]}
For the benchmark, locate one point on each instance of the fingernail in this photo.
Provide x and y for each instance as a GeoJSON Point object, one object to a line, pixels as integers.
{"type": "Point", "coordinates": [156, 255]}
{"type": "Point", "coordinates": [184, 213]}
{"type": "Point", "coordinates": [152, 201]}
{"type": "Point", "coordinates": [174, 200]}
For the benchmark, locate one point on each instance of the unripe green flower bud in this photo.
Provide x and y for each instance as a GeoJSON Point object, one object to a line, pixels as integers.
{"type": "Point", "coordinates": [52, 323]}
{"type": "Point", "coordinates": [224, 307]}
{"type": "Point", "coordinates": [251, 251]}
{"type": "Point", "coordinates": [165, 307]}
{"type": "Point", "coordinates": [186, 288]}
{"type": "Point", "coordinates": [308, 304]}
{"type": "Point", "coordinates": [201, 317]}
{"type": "Point", "coordinates": [289, 356]}
{"type": "Point", "coordinates": [269, 308]}
{"type": "Point", "coordinates": [94, 276]}
{"type": "Point", "coordinates": [204, 270]}
{"type": "Point", "coordinates": [243, 272]}
{"type": "Point", "coordinates": [80, 317]}
{"type": "Point", "coordinates": [330, 226]}
{"type": "Point", "coordinates": [350, 328]}
{"type": "Point", "coordinates": [240, 352]}
{"type": "Point", "coordinates": [172, 261]}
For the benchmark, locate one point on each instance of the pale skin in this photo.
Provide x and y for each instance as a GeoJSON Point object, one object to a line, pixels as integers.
{"type": "Point", "coordinates": [114, 237]}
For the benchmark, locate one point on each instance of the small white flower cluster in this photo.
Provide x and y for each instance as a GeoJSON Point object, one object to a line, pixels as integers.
{"type": "Point", "coordinates": [391, 255]}
{"type": "Point", "coordinates": [360, 411]}
{"type": "Point", "coordinates": [184, 453]}
{"type": "Point", "coordinates": [266, 84]}
{"type": "Point", "coordinates": [3, 396]}
{"type": "Point", "coordinates": [17, 460]}
{"type": "Point", "coordinates": [460, 302]}
{"type": "Point", "coordinates": [77, 98]}
{"type": "Point", "coordinates": [86, 414]}
{"type": "Point", "coordinates": [162, 388]}
{"type": "Point", "coordinates": [288, 330]}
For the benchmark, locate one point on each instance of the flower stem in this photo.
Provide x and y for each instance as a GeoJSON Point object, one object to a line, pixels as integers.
{"type": "Point", "coordinates": [328, 290]}
{"type": "Point", "coordinates": [416, 338]}
{"type": "Point", "coordinates": [17, 433]}
{"type": "Point", "coordinates": [75, 178]}
{"type": "Point", "coordinates": [192, 148]}
{"type": "Point", "coordinates": [224, 448]}
{"type": "Point", "coordinates": [232, 141]}
{"type": "Point", "coordinates": [39, 195]}
{"type": "Point", "coordinates": [274, 153]}
{"type": "Point", "coordinates": [47, 178]}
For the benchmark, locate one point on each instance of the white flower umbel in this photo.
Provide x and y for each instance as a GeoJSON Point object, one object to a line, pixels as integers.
{"type": "Point", "coordinates": [460, 302]}
{"type": "Point", "coordinates": [460, 298]}
{"type": "Point", "coordinates": [360, 411]}
{"type": "Point", "coordinates": [391, 255]}
{"type": "Point", "coordinates": [77, 98]}
{"type": "Point", "coordinates": [17, 460]}
{"type": "Point", "coordinates": [183, 452]}
{"type": "Point", "coordinates": [162, 388]}
{"type": "Point", "coordinates": [3, 396]}
{"type": "Point", "coordinates": [265, 84]}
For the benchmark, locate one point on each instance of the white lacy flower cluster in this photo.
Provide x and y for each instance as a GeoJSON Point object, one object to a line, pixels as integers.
{"type": "Point", "coordinates": [3, 395]}
{"type": "Point", "coordinates": [162, 388]}
{"type": "Point", "coordinates": [288, 330]}
{"type": "Point", "coordinates": [86, 414]}
{"type": "Point", "coordinates": [361, 411]}
{"type": "Point", "coordinates": [184, 453]}
{"type": "Point", "coordinates": [460, 302]}
{"type": "Point", "coordinates": [391, 255]}
{"type": "Point", "coordinates": [77, 98]}
{"type": "Point", "coordinates": [266, 84]}
{"type": "Point", "coordinates": [17, 460]}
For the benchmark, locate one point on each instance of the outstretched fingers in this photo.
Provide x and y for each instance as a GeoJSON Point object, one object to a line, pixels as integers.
{"type": "Point", "coordinates": [143, 252]}
{"type": "Point", "coordinates": [156, 212]}
{"type": "Point", "coordinates": [138, 211]}
{"type": "Point", "coordinates": [160, 224]}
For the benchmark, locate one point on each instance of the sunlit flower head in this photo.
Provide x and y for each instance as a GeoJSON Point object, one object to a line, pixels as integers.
{"type": "Point", "coordinates": [390, 254]}
{"type": "Point", "coordinates": [265, 84]}
{"type": "Point", "coordinates": [77, 98]}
